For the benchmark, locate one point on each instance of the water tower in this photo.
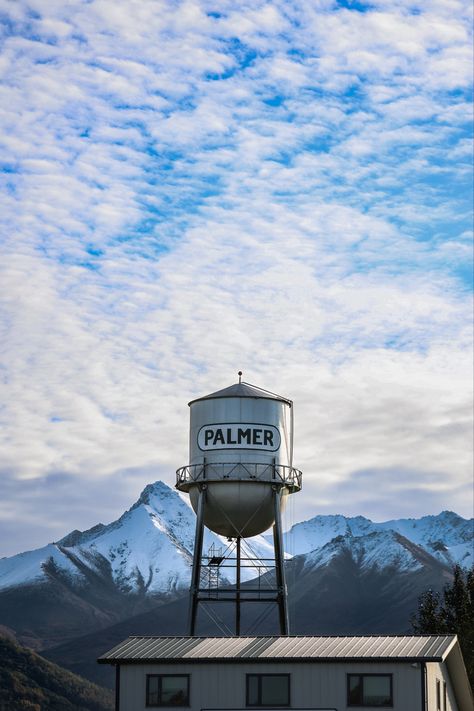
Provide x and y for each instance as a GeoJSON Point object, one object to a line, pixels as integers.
{"type": "Point", "coordinates": [239, 476]}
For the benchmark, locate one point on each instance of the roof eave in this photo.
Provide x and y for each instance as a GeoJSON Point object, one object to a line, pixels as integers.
{"type": "Point", "coordinates": [238, 391]}
{"type": "Point", "coordinates": [266, 660]}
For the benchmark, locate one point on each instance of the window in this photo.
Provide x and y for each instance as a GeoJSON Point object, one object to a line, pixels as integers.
{"type": "Point", "coordinates": [438, 695]}
{"type": "Point", "coordinates": [167, 690]}
{"type": "Point", "coordinates": [268, 689]}
{"type": "Point", "coordinates": [445, 695]}
{"type": "Point", "coordinates": [369, 690]}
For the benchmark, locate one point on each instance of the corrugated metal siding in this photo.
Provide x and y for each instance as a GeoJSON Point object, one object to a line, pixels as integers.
{"type": "Point", "coordinates": [267, 648]}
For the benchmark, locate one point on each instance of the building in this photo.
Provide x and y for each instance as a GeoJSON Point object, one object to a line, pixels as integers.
{"type": "Point", "coordinates": [404, 673]}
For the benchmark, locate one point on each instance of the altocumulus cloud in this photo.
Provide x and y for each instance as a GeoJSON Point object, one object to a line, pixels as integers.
{"type": "Point", "coordinates": [190, 188]}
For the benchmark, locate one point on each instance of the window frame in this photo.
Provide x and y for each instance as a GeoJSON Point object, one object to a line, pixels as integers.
{"type": "Point", "coordinates": [261, 705]}
{"type": "Point", "coordinates": [149, 705]}
{"type": "Point", "coordinates": [362, 676]}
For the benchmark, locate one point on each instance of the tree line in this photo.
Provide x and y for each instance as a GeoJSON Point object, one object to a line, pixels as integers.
{"type": "Point", "coordinates": [450, 612]}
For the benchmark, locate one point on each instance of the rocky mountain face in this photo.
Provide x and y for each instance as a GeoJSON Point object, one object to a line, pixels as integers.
{"type": "Point", "coordinates": [447, 536]}
{"type": "Point", "coordinates": [92, 579]}
{"type": "Point", "coordinates": [344, 574]}
{"type": "Point", "coordinates": [89, 580]}
{"type": "Point", "coordinates": [148, 550]}
{"type": "Point", "coordinates": [364, 584]}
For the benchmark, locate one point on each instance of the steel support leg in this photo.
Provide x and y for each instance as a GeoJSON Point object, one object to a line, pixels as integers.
{"type": "Point", "coordinates": [197, 559]}
{"type": "Point", "coordinates": [237, 588]}
{"type": "Point", "coordinates": [280, 566]}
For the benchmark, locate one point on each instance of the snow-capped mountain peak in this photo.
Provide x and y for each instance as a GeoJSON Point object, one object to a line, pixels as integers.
{"type": "Point", "coordinates": [148, 550]}
{"type": "Point", "coordinates": [379, 550]}
{"type": "Point", "coordinates": [316, 532]}
{"type": "Point", "coordinates": [447, 536]}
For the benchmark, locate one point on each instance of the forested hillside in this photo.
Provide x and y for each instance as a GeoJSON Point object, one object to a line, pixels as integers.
{"type": "Point", "coordinates": [30, 683]}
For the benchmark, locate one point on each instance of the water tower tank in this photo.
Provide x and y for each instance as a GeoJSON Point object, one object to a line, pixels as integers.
{"type": "Point", "coordinates": [240, 450]}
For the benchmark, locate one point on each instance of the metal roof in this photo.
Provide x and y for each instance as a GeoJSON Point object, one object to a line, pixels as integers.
{"type": "Point", "coordinates": [280, 649]}
{"type": "Point", "coordinates": [242, 390]}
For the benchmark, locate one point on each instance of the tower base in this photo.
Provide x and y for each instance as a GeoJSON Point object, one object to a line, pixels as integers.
{"type": "Point", "coordinates": [209, 583]}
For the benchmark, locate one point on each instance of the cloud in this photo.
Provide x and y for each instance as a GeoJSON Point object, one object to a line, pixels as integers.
{"type": "Point", "coordinates": [389, 492]}
{"type": "Point", "coordinates": [278, 187]}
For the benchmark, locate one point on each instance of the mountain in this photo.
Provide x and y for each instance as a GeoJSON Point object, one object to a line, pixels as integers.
{"type": "Point", "coordinates": [27, 681]}
{"type": "Point", "coordinates": [147, 550]}
{"type": "Point", "coordinates": [367, 585]}
{"type": "Point", "coordinates": [89, 580]}
{"type": "Point", "coordinates": [92, 579]}
{"type": "Point", "coordinates": [360, 585]}
{"type": "Point", "coordinates": [447, 536]}
{"type": "Point", "coordinates": [140, 564]}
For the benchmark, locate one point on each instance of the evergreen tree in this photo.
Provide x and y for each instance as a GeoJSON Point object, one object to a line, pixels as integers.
{"type": "Point", "coordinates": [451, 612]}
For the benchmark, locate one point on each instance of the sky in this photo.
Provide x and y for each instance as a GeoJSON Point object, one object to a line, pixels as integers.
{"type": "Point", "coordinates": [194, 188]}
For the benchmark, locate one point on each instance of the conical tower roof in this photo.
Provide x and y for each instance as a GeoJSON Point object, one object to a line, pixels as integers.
{"type": "Point", "coordinates": [243, 390]}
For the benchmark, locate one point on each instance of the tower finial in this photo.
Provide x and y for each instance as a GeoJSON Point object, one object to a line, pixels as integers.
{"type": "Point", "coordinates": [240, 376]}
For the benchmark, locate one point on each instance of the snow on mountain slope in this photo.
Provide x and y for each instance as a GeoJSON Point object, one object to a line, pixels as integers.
{"type": "Point", "coordinates": [142, 554]}
{"type": "Point", "coordinates": [309, 535]}
{"type": "Point", "coordinates": [447, 536]}
{"type": "Point", "coordinates": [378, 549]}
{"type": "Point", "coordinates": [28, 567]}
{"type": "Point", "coordinates": [148, 549]}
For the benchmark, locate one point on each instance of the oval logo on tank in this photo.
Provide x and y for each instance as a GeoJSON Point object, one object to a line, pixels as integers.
{"type": "Point", "coordinates": [239, 435]}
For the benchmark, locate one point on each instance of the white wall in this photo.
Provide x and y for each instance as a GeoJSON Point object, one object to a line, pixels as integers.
{"type": "Point", "coordinates": [222, 686]}
{"type": "Point", "coordinates": [439, 672]}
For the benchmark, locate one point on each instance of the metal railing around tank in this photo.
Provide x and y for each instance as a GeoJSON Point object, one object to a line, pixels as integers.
{"type": "Point", "coordinates": [279, 474]}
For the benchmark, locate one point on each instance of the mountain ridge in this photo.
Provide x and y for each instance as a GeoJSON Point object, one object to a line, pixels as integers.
{"type": "Point", "coordinates": [159, 526]}
{"type": "Point", "coordinates": [312, 533]}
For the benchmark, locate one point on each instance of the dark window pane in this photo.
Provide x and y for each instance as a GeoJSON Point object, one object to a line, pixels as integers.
{"type": "Point", "coordinates": [152, 698]}
{"type": "Point", "coordinates": [275, 690]}
{"type": "Point", "coordinates": [252, 689]}
{"type": "Point", "coordinates": [438, 695]}
{"type": "Point", "coordinates": [268, 690]}
{"type": "Point", "coordinates": [355, 689]}
{"type": "Point", "coordinates": [174, 690]}
{"type": "Point", "coordinates": [376, 690]}
{"type": "Point", "coordinates": [369, 690]}
{"type": "Point", "coordinates": [167, 690]}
